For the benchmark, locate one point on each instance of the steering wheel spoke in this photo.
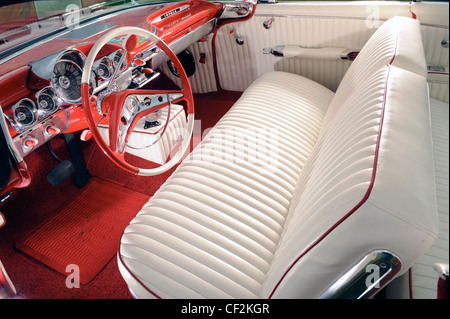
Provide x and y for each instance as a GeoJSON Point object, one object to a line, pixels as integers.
{"type": "Point", "coordinates": [153, 101]}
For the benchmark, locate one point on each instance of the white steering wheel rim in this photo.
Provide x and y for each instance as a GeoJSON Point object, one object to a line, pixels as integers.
{"type": "Point", "coordinates": [86, 78]}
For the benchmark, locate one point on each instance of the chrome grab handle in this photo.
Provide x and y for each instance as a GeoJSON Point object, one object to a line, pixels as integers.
{"type": "Point", "coordinates": [366, 278]}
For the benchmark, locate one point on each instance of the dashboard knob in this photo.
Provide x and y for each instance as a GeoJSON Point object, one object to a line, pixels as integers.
{"type": "Point", "coordinates": [86, 135]}
{"type": "Point", "coordinates": [30, 143]}
{"type": "Point", "coordinates": [53, 131]}
{"type": "Point", "coordinates": [139, 62]}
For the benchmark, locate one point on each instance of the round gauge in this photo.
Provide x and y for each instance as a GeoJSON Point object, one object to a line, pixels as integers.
{"type": "Point", "coordinates": [66, 76]}
{"type": "Point", "coordinates": [25, 112]}
{"type": "Point", "coordinates": [131, 104]}
{"type": "Point", "coordinates": [105, 69]}
{"type": "Point", "coordinates": [66, 80]}
{"type": "Point", "coordinates": [46, 100]}
{"type": "Point", "coordinates": [116, 60]}
{"type": "Point", "coordinates": [46, 103]}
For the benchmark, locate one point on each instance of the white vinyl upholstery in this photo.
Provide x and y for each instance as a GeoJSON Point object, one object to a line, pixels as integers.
{"type": "Point", "coordinates": [296, 184]}
{"type": "Point", "coordinates": [229, 236]}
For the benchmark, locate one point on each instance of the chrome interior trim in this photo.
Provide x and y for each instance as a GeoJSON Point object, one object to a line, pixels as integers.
{"type": "Point", "coordinates": [58, 120]}
{"type": "Point", "coordinates": [366, 278]}
{"type": "Point", "coordinates": [236, 10]}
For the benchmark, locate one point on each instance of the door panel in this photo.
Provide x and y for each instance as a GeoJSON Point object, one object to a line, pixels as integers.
{"type": "Point", "coordinates": [327, 24]}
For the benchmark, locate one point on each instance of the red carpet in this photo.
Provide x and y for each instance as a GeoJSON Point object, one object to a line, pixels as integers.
{"type": "Point", "coordinates": [86, 232]}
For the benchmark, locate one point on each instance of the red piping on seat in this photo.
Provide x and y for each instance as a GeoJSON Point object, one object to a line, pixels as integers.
{"type": "Point", "coordinates": [369, 190]}
{"type": "Point", "coordinates": [135, 278]}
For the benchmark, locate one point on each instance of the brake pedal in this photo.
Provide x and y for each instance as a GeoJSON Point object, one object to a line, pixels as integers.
{"type": "Point", "coordinates": [60, 173]}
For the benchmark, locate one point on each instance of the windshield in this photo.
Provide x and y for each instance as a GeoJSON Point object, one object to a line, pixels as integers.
{"type": "Point", "coordinates": [22, 21]}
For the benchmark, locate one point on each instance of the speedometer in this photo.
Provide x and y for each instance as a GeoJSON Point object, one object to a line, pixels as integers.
{"type": "Point", "coordinates": [66, 80]}
{"type": "Point", "coordinates": [66, 76]}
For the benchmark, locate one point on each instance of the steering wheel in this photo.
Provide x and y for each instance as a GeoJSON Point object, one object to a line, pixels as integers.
{"type": "Point", "coordinates": [113, 104]}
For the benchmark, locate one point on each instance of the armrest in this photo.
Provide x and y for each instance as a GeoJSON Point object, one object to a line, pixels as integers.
{"type": "Point", "coordinates": [327, 53]}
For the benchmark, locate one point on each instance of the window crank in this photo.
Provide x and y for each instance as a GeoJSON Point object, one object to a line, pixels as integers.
{"type": "Point", "coordinates": [444, 43]}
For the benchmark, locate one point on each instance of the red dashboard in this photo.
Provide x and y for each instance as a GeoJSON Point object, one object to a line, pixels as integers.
{"type": "Point", "coordinates": [37, 102]}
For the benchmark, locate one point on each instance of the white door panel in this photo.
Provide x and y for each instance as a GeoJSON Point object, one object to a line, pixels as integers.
{"type": "Point", "coordinates": [327, 24]}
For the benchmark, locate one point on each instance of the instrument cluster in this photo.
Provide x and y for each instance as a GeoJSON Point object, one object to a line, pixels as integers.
{"type": "Point", "coordinates": [28, 112]}
{"type": "Point", "coordinates": [68, 69]}
{"type": "Point", "coordinates": [65, 87]}
{"type": "Point", "coordinates": [40, 117]}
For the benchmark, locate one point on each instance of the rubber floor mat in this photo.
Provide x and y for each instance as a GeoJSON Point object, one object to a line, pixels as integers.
{"type": "Point", "coordinates": [84, 235]}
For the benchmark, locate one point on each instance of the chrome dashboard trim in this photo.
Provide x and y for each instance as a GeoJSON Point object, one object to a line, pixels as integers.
{"type": "Point", "coordinates": [58, 120]}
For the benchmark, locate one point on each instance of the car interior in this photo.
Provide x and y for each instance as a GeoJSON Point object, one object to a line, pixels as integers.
{"type": "Point", "coordinates": [224, 149]}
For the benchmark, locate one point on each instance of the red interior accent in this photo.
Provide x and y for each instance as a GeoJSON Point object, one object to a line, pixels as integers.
{"type": "Point", "coordinates": [15, 83]}
{"type": "Point", "coordinates": [181, 21]}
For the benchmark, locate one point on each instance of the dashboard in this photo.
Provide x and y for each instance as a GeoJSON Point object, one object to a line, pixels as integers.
{"type": "Point", "coordinates": [43, 82]}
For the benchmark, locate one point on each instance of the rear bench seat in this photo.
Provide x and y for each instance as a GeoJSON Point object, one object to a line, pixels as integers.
{"type": "Point", "coordinates": [295, 185]}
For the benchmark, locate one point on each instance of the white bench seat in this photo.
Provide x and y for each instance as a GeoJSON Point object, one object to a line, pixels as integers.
{"type": "Point", "coordinates": [295, 185]}
{"type": "Point", "coordinates": [234, 234]}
